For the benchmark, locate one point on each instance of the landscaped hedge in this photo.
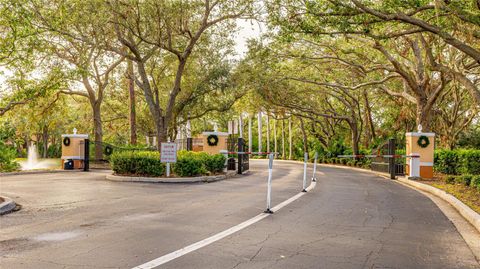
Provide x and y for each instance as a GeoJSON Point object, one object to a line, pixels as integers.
{"type": "Point", "coordinates": [140, 163]}
{"type": "Point", "coordinates": [455, 162]}
{"type": "Point", "coordinates": [147, 163]}
{"type": "Point", "coordinates": [191, 163]}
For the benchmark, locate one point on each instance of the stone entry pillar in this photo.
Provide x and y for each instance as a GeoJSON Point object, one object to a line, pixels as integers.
{"type": "Point", "coordinates": [414, 142]}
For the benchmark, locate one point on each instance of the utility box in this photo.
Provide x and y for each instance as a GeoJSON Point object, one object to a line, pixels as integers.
{"type": "Point", "coordinates": [422, 144]}
{"type": "Point", "coordinates": [73, 149]}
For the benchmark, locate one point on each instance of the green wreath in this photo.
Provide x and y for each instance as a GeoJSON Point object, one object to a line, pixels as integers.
{"type": "Point", "coordinates": [212, 140]}
{"type": "Point", "coordinates": [423, 141]}
{"type": "Point", "coordinates": [66, 141]}
{"type": "Point", "coordinates": [108, 150]}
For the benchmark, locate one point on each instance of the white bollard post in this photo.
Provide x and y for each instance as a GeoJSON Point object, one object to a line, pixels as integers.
{"type": "Point", "coordinates": [269, 183]}
{"type": "Point", "coordinates": [305, 157]}
{"type": "Point", "coordinates": [225, 153]}
{"type": "Point", "coordinates": [414, 165]}
{"type": "Point", "coordinates": [315, 167]}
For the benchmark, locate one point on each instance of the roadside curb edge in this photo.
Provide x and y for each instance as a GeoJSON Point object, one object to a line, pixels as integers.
{"type": "Point", "coordinates": [7, 206]}
{"type": "Point", "coordinates": [204, 179]}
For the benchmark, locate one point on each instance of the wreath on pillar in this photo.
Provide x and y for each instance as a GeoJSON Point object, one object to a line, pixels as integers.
{"type": "Point", "coordinates": [423, 141]}
{"type": "Point", "coordinates": [108, 150]}
{"type": "Point", "coordinates": [66, 141]}
{"type": "Point", "coordinates": [212, 140]}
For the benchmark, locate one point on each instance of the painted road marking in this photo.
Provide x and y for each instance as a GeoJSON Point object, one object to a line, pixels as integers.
{"type": "Point", "coordinates": [205, 242]}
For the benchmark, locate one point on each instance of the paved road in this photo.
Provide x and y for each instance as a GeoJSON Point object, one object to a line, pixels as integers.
{"type": "Point", "coordinates": [350, 220]}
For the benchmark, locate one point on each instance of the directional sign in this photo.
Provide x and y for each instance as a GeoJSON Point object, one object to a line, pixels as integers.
{"type": "Point", "coordinates": [168, 153]}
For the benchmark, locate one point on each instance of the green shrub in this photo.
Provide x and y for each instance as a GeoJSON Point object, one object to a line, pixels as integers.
{"type": "Point", "coordinates": [7, 158]}
{"type": "Point", "coordinates": [446, 161]}
{"type": "Point", "coordinates": [450, 179]}
{"type": "Point", "coordinates": [469, 161]}
{"type": "Point", "coordinates": [215, 163]}
{"type": "Point", "coordinates": [141, 163]}
{"type": "Point", "coordinates": [212, 163]}
{"type": "Point", "coordinates": [190, 164]}
{"type": "Point", "coordinates": [475, 182]}
{"type": "Point", "coordinates": [465, 180]}
{"type": "Point", "coordinates": [344, 161]}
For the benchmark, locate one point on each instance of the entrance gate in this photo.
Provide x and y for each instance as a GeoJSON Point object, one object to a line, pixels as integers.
{"type": "Point", "coordinates": [387, 161]}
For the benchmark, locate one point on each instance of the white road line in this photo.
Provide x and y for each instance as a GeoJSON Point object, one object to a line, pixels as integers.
{"type": "Point", "coordinates": [205, 242]}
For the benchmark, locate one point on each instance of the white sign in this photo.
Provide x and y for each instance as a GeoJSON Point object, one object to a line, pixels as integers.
{"type": "Point", "coordinates": [168, 153]}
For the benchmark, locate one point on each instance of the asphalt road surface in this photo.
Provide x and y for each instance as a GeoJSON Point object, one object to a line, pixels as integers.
{"type": "Point", "coordinates": [350, 220]}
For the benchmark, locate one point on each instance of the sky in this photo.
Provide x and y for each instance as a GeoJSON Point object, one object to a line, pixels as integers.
{"type": "Point", "coordinates": [247, 29]}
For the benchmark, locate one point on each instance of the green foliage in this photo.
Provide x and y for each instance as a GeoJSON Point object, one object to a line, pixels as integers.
{"type": "Point", "coordinates": [7, 158]}
{"type": "Point", "coordinates": [475, 182]}
{"type": "Point", "coordinates": [215, 163]}
{"type": "Point", "coordinates": [469, 161]}
{"type": "Point", "coordinates": [140, 163]}
{"type": "Point", "coordinates": [189, 164]}
{"type": "Point", "coordinates": [446, 161]}
{"type": "Point", "coordinates": [454, 162]}
{"type": "Point", "coordinates": [450, 179]}
{"type": "Point", "coordinates": [465, 180]}
{"type": "Point", "coordinates": [7, 153]}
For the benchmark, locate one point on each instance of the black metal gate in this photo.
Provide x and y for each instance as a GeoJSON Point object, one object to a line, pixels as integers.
{"type": "Point", "coordinates": [387, 160]}
{"type": "Point", "coordinates": [243, 159]}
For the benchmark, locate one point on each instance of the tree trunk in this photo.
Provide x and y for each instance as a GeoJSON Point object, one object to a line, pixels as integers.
{"type": "Point", "coordinates": [275, 136]}
{"type": "Point", "coordinates": [371, 126]}
{"type": "Point", "coordinates": [305, 140]}
{"type": "Point", "coordinates": [354, 135]}
{"type": "Point", "coordinates": [97, 130]}
{"type": "Point", "coordinates": [45, 141]}
{"type": "Point", "coordinates": [250, 139]}
{"type": "Point", "coordinates": [131, 91]}
{"type": "Point", "coordinates": [268, 133]}
{"type": "Point", "coordinates": [423, 116]}
{"type": "Point", "coordinates": [290, 149]}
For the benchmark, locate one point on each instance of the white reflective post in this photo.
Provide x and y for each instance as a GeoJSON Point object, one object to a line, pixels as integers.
{"type": "Point", "coordinates": [315, 167]}
{"type": "Point", "coordinates": [305, 172]}
{"type": "Point", "coordinates": [269, 183]}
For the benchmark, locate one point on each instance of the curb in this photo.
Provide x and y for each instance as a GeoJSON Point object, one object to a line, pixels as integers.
{"type": "Point", "coordinates": [204, 179]}
{"type": "Point", "coordinates": [38, 172]}
{"type": "Point", "coordinates": [7, 206]}
{"type": "Point", "coordinates": [468, 213]}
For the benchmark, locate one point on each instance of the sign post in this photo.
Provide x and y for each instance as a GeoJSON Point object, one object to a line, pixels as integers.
{"type": "Point", "coordinates": [269, 183]}
{"type": "Point", "coordinates": [168, 154]}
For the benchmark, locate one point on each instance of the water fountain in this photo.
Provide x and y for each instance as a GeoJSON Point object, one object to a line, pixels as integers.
{"type": "Point", "coordinates": [32, 160]}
